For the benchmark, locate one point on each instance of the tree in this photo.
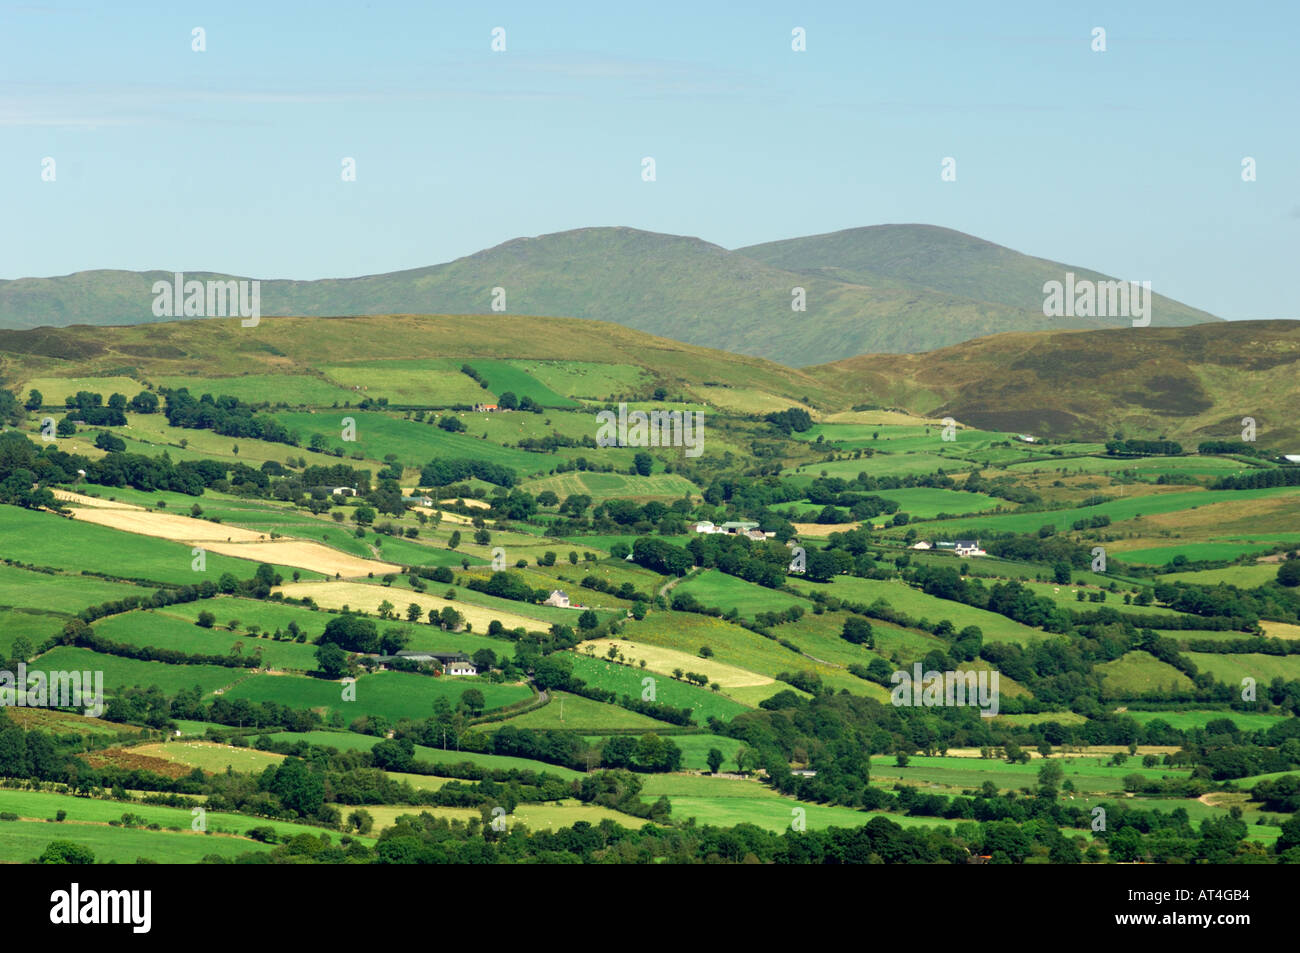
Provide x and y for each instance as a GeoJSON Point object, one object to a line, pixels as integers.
{"type": "Point", "coordinates": [472, 701]}
{"type": "Point", "coordinates": [1050, 776]}
{"type": "Point", "coordinates": [65, 428]}
{"type": "Point", "coordinates": [643, 463]}
{"type": "Point", "coordinates": [394, 640]}
{"type": "Point", "coordinates": [858, 631]}
{"type": "Point", "coordinates": [361, 821]}
{"type": "Point", "coordinates": [364, 515]}
{"type": "Point", "coordinates": [714, 759]}
{"type": "Point", "coordinates": [352, 633]}
{"type": "Point", "coordinates": [1288, 574]}
{"type": "Point", "coordinates": [331, 660]}
{"type": "Point", "coordinates": [298, 787]}
{"type": "Point", "coordinates": [508, 401]}
{"type": "Point", "coordinates": [588, 620]}
{"type": "Point", "coordinates": [66, 852]}
{"type": "Point", "coordinates": [454, 541]}
{"type": "Point", "coordinates": [413, 612]}
{"type": "Point", "coordinates": [205, 619]}
{"type": "Point", "coordinates": [144, 403]}
{"type": "Point", "coordinates": [34, 400]}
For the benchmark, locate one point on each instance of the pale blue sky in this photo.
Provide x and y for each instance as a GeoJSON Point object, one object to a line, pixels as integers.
{"type": "Point", "coordinates": [1127, 161]}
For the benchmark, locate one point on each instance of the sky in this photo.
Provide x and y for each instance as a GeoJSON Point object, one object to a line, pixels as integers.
{"type": "Point", "coordinates": [1127, 160]}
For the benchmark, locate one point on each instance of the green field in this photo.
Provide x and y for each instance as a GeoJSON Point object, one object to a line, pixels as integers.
{"type": "Point", "coordinates": [393, 695]}
{"type": "Point", "coordinates": [415, 444]}
{"type": "Point", "coordinates": [55, 390]}
{"type": "Point", "coordinates": [1233, 668]}
{"type": "Point", "coordinates": [348, 741]}
{"type": "Point", "coordinates": [160, 628]}
{"type": "Point", "coordinates": [45, 539]}
{"type": "Point", "coordinates": [582, 379]}
{"type": "Point", "coordinates": [925, 502]}
{"type": "Point", "coordinates": [22, 841]}
{"type": "Point", "coordinates": [122, 673]}
{"type": "Point", "coordinates": [1245, 577]}
{"type": "Point", "coordinates": [33, 625]}
{"type": "Point", "coordinates": [1089, 774]}
{"type": "Point", "coordinates": [296, 390]}
{"type": "Point", "coordinates": [626, 680]}
{"type": "Point", "coordinates": [1119, 510]}
{"type": "Point", "coordinates": [919, 605]}
{"type": "Point", "coordinates": [575, 713]}
{"type": "Point", "coordinates": [436, 383]}
{"type": "Point", "coordinates": [603, 486]}
{"type": "Point", "coordinates": [1195, 552]}
{"type": "Point", "coordinates": [58, 592]}
{"type": "Point", "coordinates": [733, 645]}
{"type": "Point", "coordinates": [1138, 673]}
{"type": "Point", "coordinates": [717, 589]}
{"type": "Point", "coordinates": [1185, 720]}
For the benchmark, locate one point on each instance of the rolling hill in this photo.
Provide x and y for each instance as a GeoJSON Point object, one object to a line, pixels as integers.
{"type": "Point", "coordinates": [890, 288]}
{"type": "Point", "coordinates": [1193, 383]}
{"type": "Point", "coordinates": [301, 347]}
{"type": "Point", "coordinates": [1189, 383]}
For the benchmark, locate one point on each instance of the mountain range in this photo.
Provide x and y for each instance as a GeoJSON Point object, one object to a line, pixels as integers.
{"type": "Point", "coordinates": [880, 289]}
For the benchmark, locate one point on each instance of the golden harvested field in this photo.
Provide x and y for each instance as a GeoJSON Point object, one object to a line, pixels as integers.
{"type": "Point", "coordinates": [67, 496]}
{"type": "Point", "coordinates": [305, 555]}
{"type": "Point", "coordinates": [1220, 519]}
{"type": "Point", "coordinates": [181, 529]}
{"type": "Point", "coordinates": [1280, 630]}
{"type": "Point", "coordinates": [664, 661]}
{"type": "Point", "coordinates": [225, 539]}
{"type": "Point", "coordinates": [357, 595]}
{"type": "Point", "coordinates": [818, 530]}
{"type": "Point", "coordinates": [743, 400]}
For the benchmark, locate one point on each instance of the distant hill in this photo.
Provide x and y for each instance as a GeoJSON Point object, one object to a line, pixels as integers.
{"type": "Point", "coordinates": [890, 288]}
{"type": "Point", "coordinates": [303, 346]}
{"type": "Point", "coordinates": [1190, 384]}
{"type": "Point", "coordinates": [946, 261]}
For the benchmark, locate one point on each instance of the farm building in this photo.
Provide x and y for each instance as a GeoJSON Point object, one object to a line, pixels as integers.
{"type": "Point", "coordinates": [969, 547]}
{"type": "Point", "coordinates": [737, 527]}
{"type": "Point", "coordinates": [455, 663]}
{"type": "Point", "coordinates": [920, 544]}
{"type": "Point", "coordinates": [705, 526]}
{"type": "Point", "coordinates": [558, 598]}
{"type": "Point", "coordinates": [486, 408]}
{"type": "Point", "coordinates": [451, 663]}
